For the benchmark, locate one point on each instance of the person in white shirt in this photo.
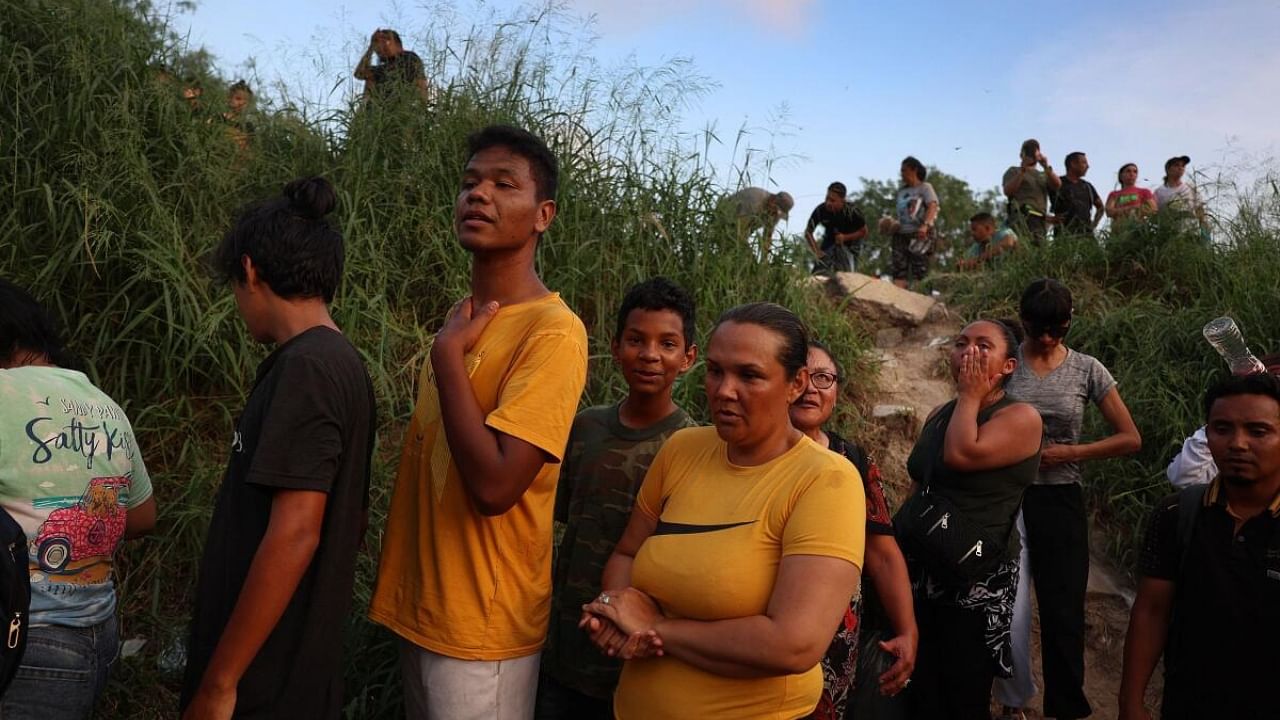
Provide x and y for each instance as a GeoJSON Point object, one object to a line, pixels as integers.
{"type": "Point", "coordinates": [1193, 465]}
{"type": "Point", "coordinates": [1178, 194]}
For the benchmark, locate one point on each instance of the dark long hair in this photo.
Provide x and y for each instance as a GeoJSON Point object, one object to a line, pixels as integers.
{"type": "Point", "coordinates": [26, 326]}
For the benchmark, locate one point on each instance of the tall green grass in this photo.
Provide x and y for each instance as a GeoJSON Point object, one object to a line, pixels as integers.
{"type": "Point", "coordinates": [1142, 295]}
{"type": "Point", "coordinates": [114, 193]}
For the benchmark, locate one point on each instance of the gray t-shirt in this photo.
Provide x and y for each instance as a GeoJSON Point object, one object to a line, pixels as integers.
{"type": "Point", "coordinates": [749, 201]}
{"type": "Point", "coordinates": [1060, 397]}
{"type": "Point", "coordinates": [1033, 192]}
{"type": "Point", "coordinates": [912, 203]}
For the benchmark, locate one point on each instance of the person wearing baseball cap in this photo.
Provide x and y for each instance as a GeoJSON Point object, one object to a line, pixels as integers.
{"type": "Point", "coordinates": [758, 209]}
{"type": "Point", "coordinates": [1179, 195]}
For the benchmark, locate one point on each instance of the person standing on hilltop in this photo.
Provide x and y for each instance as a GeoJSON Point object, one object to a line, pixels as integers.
{"type": "Point", "coordinates": [844, 228]}
{"type": "Point", "coordinates": [1130, 201]}
{"type": "Point", "coordinates": [915, 236]}
{"type": "Point", "coordinates": [754, 209]}
{"type": "Point", "coordinates": [278, 569]}
{"type": "Point", "coordinates": [1178, 195]}
{"type": "Point", "coordinates": [1029, 190]}
{"type": "Point", "coordinates": [1208, 598]}
{"type": "Point", "coordinates": [1053, 523]}
{"type": "Point", "coordinates": [465, 574]}
{"type": "Point", "coordinates": [1075, 199]}
{"type": "Point", "coordinates": [395, 67]}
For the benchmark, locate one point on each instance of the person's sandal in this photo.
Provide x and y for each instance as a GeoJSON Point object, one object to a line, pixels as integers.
{"type": "Point", "coordinates": [1011, 713]}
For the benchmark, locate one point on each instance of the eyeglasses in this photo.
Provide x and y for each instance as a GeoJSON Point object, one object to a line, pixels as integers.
{"type": "Point", "coordinates": [823, 380]}
{"type": "Point", "coordinates": [1036, 330]}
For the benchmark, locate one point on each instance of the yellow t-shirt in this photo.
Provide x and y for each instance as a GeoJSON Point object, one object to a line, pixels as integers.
{"type": "Point", "coordinates": [722, 531]}
{"type": "Point", "coordinates": [452, 580]}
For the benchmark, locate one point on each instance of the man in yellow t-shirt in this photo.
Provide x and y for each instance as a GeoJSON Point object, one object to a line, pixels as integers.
{"type": "Point", "coordinates": [465, 574]}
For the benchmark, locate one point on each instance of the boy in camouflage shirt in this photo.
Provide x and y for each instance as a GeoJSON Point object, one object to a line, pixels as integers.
{"type": "Point", "coordinates": [610, 448]}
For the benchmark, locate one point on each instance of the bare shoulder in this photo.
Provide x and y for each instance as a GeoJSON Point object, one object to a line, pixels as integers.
{"type": "Point", "coordinates": [1020, 413]}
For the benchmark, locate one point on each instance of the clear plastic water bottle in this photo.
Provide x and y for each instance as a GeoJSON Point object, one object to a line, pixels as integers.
{"type": "Point", "coordinates": [1225, 337]}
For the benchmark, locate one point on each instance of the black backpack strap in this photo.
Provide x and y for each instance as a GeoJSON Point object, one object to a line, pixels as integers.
{"type": "Point", "coordinates": [1190, 500]}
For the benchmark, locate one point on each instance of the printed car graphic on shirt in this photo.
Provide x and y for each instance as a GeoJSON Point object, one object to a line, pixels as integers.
{"type": "Point", "coordinates": [90, 528]}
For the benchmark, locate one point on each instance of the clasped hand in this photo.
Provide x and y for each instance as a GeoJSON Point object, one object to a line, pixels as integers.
{"type": "Point", "coordinates": [623, 627]}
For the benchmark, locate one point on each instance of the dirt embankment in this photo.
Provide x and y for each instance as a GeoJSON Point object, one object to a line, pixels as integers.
{"type": "Point", "coordinates": [915, 378]}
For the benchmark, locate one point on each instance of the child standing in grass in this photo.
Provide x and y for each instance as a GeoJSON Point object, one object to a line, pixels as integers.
{"type": "Point", "coordinates": [610, 449]}
{"type": "Point", "coordinates": [276, 578]}
{"type": "Point", "coordinates": [465, 573]}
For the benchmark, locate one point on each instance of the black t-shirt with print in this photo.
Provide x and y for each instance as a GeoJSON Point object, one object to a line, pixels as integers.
{"type": "Point", "coordinates": [1074, 204]}
{"type": "Point", "coordinates": [405, 68]}
{"type": "Point", "coordinates": [308, 425]}
{"type": "Point", "coordinates": [845, 220]}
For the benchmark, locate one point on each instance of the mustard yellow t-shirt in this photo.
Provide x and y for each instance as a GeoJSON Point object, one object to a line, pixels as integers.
{"type": "Point", "coordinates": [452, 580]}
{"type": "Point", "coordinates": [722, 532]}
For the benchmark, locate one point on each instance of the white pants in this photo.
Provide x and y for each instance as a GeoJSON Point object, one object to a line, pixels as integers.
{"type": "Point", "coordinates": [1018, 690]}
{"type": "Point", "coordinates": [437, 687]}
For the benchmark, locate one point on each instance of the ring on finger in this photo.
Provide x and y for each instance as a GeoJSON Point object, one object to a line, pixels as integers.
{"type": "Point", "coordinates": [604, 598]}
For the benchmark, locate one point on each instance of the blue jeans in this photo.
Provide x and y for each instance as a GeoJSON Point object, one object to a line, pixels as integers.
{"type": "Point", "coordinates": [63, 672]}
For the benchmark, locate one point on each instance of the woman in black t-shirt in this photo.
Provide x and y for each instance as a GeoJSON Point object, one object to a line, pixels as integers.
{"type": "Point", "coordinates": [980, 452]}
{"type": "Point", "coordinates": [868, 663]}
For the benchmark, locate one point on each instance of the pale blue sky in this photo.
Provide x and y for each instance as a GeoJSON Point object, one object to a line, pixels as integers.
{"type": "Point", "coordinates": [859, 85]}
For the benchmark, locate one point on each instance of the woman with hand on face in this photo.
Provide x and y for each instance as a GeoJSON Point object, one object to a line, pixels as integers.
{"type": "Point", "coordinates": [743, 549]}
{"type": "Point", "coordinates": [873, 653]}
{"type": "Point", "coordinates": [974, 458]}
{"type": "Point", "coordinates": [1060, 383]}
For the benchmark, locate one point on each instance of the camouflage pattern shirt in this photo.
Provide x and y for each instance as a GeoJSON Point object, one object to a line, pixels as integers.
{"type": "Point", "coordinates": [603, 468]}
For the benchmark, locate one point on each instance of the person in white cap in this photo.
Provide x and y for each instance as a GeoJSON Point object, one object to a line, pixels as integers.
{"type": "Point", "coordinates": [1177, 194]}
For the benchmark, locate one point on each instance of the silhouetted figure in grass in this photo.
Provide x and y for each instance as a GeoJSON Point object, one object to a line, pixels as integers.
{"type": "Point", "coordinates": [755, 209]}
{"type": "Point", "coordinates": [192, 94]}
{"type": "Point", "coordinates": [844, 228]}
{"type": "Point", "coordinates": [239, 98]}
{"type": "Point", "coordinates": [395, 66]}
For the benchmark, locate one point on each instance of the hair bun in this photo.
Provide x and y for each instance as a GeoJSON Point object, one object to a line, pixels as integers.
{"type": "Point", "coordinates": [311, 197]}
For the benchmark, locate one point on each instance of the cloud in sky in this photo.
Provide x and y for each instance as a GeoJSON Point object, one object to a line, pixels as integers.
{"type": "Point", "coordinates": [789, 17]}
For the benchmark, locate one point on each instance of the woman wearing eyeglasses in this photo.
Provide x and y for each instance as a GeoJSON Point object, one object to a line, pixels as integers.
{"type": "Point", "coordinates": [1059, 382]}
{"type": "Point", "coordinates": [868, 663]}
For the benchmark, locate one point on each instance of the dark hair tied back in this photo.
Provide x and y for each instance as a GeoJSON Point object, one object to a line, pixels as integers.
{"type": "Point", "coordinates": [311, 197]}
{"type": "Point", "coordinates": [793, 354]}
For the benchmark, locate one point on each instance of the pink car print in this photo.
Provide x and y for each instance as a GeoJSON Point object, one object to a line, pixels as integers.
{"type": "Point", "coordinates": [90, 528]}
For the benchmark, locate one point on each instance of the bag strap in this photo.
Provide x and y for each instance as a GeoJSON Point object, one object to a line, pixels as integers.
{"type": "Point", "coordinates": [1190, 501]}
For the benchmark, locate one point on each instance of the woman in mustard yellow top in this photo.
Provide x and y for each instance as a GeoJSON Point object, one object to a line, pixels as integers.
{"type": "Point", "coordinates": [743, 549]}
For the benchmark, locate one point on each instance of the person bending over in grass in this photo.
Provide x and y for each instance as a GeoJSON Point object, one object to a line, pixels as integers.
{"type": "Point", "coordinates": [75, 503]}
{"type": "Point", "coordinates": [465, 574]}
{"type": "Point", "coordinates": [276, 578]}
{"type": "Point", "coordinates": [610, 449]}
